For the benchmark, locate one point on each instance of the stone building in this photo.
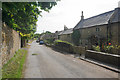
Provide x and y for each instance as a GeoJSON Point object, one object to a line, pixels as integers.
{"type": "Point", "coordinates": [46, 36]}
{"type": "Point", "coordinates": [66, 34]}
{"type": "Point", "coordinates": [56, 34]}
{"type": "Point", "coordinates": [100, 29]}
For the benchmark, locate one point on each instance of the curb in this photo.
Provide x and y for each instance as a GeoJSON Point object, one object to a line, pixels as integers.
{"type": "Point", "coordinates": [99, 64]}
{"type": "Point", "coordinates": [102, 65]}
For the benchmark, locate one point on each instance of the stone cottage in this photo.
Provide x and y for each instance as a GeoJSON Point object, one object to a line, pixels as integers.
{"type": "Point", "coordinates": [66, 34]}
{"type": "Point", "coordinates": [100, 29]}
{"type": "Point", "coordinates": [46, 36]}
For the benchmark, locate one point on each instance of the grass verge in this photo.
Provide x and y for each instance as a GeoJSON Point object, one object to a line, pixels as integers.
{"type": "Point", "coordinates": [14, 67]}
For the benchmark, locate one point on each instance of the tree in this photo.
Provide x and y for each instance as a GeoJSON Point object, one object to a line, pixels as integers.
{"type": "Point", "coordinates": [37, 35]}
{"type": "Point", "coordinates": [76, 37]}
{"type": "Point", "coordinates": [47, 32]}
{"type": "Point", "coordinates": [22, 17]}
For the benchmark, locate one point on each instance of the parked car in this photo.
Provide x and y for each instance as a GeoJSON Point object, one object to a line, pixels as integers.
{"type": "Point", "coordinates": [41, 42]}
{"type": "Point", "coordinates": [37, 40]}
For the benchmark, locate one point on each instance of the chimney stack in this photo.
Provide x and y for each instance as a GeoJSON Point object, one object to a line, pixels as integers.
{"type": "Point", "coordinates": [82, 17]}
{"type": "Point", "coordinates": [65, 28]}
{"type": "Point", "coordinates": [119, 4]}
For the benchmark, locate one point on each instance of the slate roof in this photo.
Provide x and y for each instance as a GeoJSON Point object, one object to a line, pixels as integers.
{"type": "Point", "coordinates": [116, 16]}
{"type": "Point", "coordinates": [99, 19]}
{"type": "Point", "coordinates": [68, 31]}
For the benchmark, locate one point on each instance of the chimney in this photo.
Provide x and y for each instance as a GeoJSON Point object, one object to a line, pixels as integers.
{"type": "Point", "coordinates": [82, 17]}
{"type": "Point", "coordinates": [119, 4]}
{"type": "Point", "coordinates": [65, 28]}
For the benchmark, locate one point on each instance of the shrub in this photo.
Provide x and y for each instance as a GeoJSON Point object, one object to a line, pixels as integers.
{"type": "Point", "coordinates": [76, 37]}
{"type": "Point", "coordinates": [60, 41]}
{"type": "Point", "coordinates": [108, 48]}
{"type": "Point", "coordinates": [96, 48]}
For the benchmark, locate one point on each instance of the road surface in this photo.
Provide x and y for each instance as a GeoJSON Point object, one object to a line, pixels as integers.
{"type": "Point", "coordinates": [47, 63]}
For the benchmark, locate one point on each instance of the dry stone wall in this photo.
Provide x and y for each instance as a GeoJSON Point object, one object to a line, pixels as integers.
{"type": "Point", "coordinates": [11, 42]}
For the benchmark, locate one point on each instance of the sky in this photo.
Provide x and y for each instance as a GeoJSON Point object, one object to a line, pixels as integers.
{"type": "Point", "coordinates": [68, 12]}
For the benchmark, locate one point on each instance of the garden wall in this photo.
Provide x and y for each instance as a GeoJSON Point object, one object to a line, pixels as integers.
{"type": "Point", "coordinates": [107, 58]}
{"type": "Point", "coordinates": [79, 50]}
{"type": "Point", "coordinates": [70, 48]}
{"type": "Point", "coordinates": [64, 47]}
{"type": "Point", "coordinates": [11, 42]}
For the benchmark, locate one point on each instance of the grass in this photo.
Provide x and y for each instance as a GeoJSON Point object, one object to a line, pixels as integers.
{"type": "Point", "coordinates": [14, 67]}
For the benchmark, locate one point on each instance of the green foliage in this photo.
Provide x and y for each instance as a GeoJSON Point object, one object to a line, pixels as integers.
{"type": "Point", "coordinates": [37, 35]}
{"type": "Point", "coordinates": [108, 48]}
{"type": "Point", "coordinates": [23, 16]}
{"type": "Point", "coordinates": [60, 41]}
{"type": "Point", "coordinates": [76, 37]}
{"type": "Point", "coordinates": [96, 48]}
{"type": "Point", "coordinates": [47, 32]}
{"type": "Point", "coordinates": [14, 67]}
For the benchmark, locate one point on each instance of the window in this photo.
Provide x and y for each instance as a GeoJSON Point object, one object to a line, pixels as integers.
{"type": "Point", "coordinates": [68, 35]}
{"type": "Point", "coordinates": [80, 41]}
{"type": "Point", "coordinates": [97, 29]}
{"type": "Point", "coordinates": [58, 36]}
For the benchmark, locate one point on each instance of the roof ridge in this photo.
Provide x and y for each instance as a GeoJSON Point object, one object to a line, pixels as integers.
{"type": "Point", "coordinates": [99, 14]}
{"type": "Point", "coordinates": [99, 19]}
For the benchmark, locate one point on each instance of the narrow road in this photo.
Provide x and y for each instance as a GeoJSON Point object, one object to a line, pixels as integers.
{"type": "Point", "coordinates": [48, 63]}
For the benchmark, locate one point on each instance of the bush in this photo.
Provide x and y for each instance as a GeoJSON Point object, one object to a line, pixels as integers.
{"type": "Point", "coordinates": [96, 48]}
{"type": "Point", "coordinates": [76, 37]}
{"type": "Point", "coordinates": [107, 48]}
{"type": "Point", "coordinates": [60, 41]}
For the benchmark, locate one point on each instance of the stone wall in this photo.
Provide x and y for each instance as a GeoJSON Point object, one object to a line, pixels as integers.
{"type": "Point", "coordinates": [106, 58]}
{"type": "Point", "coordinates": [115, 34]}
{"type": "Point", "coordinates": [79, 50]}
{"type": "Point", "coordinates": [64, 47]}
{"type": "Point", "coordinates": [11, 42]}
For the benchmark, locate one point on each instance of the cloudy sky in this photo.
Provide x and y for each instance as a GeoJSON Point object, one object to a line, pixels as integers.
{"type": "Point", "coordinates": [68, 12]}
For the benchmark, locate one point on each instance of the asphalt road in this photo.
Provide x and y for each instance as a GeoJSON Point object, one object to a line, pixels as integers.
{"type": "Point", "coordinates": [48, 63]}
